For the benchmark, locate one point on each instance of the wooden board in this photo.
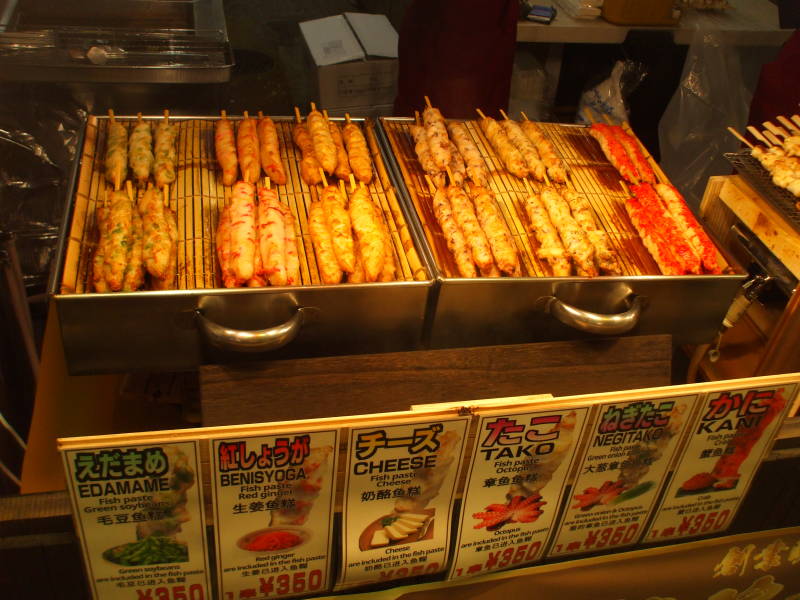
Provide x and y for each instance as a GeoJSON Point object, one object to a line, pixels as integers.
{"type": "Point", "coordinates": [198, 197]}
{"type": "Point", "coordinates": [348, 385]}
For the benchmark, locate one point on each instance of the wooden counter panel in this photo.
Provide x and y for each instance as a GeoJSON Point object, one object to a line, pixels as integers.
{"type": "Point", "coordinates": [255, 392]}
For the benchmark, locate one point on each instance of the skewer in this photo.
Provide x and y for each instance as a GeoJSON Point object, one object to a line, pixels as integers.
{"type": "Point", "coordinates": [118, 179]}
{"type": "Point", "coordinates": [431, 185]}
{"type": "Point", "coordinates": [428, 102]}
{"type": "Point", "coordinates": [297, 115]}
{"type": "Point", "coordinates": [322, 174]}
{"type": "Point", "coordinates": [505, 116]}
{"type": "Point", "coordinates": [625, 187]}
{"type": "Point", "coordinates": [139, 117]}
{"type": "Point", "coordinates": [111, 115]}
{"type": "Point", "coordinates": [740, 137]}
{"type": "Point", "coordinates": [267, 183]}
{"type": "Point", "coordinates": [757, 134]}
{"type": "Point", "coordinates": [166, 116]}
{"type": "Point", "coordinates": [223, 114]}
{"type": "Point", "coordinates": [480, 113]}
{"type": "Point", "coordinates": [775, 129]}
{"type": "Point", "coordinates": [313, 107]}
{"type": "Point", "coordinates": [353, 183]}
{"type": "Point", "coordinates": [165, 191]}
{"type": "Point", "coordinates": [524, 116]}
{"type": "Point", "coordinates": [246, 115]}
{"type": "Point", "coordinates": [546, 179]}
{"type": "Point", "coordinates": [347, 118]}
{"type": "Point", "coordinates": [342, 188]}
{"type": "Point", "coordinates": [788, 124]}
{"type": "Point", "coordinates": [416, 117]}
{"type": "Point", "coordinates": [528, 187]}
{"type": "Point", "coordinates": [129, 189]}
{"type": "Point", "coordinates": [796, 120]}
{"type": "Point", "coordinates": [772, 138]}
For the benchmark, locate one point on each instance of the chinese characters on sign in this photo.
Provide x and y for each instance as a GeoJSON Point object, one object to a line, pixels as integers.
{"type": "Point", "coordinates": [515, 485]}
{"type": "Point", "coordinates": [398, 499]}
{"type": "Point", "coordinates": [728, 440]}
{"type": "Point", "coordinates": [630, 448]}
{"type": "Point", "coordinates": [139, 515]}
{"type": "Point", "coordinates": [273, 509]}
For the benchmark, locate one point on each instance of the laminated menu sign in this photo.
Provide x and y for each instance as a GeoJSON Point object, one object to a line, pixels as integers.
{"type": "Point", "coordinates": [730, 435]}
{"type": "Point", "coordinates": [519, 468]}
{"type": "Point", "coordinates": [398, 499]}
{"type": "Point", "coordinates": [139, 516]}
{"type": "Point", "coordinates": [273, 510]}
{"type": "Point", "coordinates": [629, 450]}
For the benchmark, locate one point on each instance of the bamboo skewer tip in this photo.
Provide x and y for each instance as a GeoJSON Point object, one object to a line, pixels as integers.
{"type": "Point", "coordinates": [347, 118]}
{"type": "Point", "coordinates": [261, 114]}
{"type": "Point", "coordinates": [480, 113]}
{"type": "Point", "coordinates": [324, 179]}
{"type": "Point", "coordinates": [431, 185]}
{"type": "Point", "coordinates": [267, 182]}
{"type": "Point", "coordinates": [527, 185]}
{"type": "Point", "coordinates": [504, 114]}
{"type": "Point", "coordinates": [129, 189]}
{"type": "Point", "coordinates": [223, 114]}
{"type": "Point", "coordinates": [740, 137]}
{"type": "Point", "coordinates": [297, 115]}
{"type": "Point", "coordinates": [246, 115]}
{"type": "Point", "coordinates": [352, 183]}
{"type": "Point", "coordinates": [313, 107]}
{"type": "Point", "coordinates": [165, 191]}
{"type": "Point", "coordinates": [428, 102]}
{"type": "Point", "coordinates": [111, 114]}
{"type": "Point", "coordinates": [166, 115]}
{"type": "Point", "coordinates": [524, 116]}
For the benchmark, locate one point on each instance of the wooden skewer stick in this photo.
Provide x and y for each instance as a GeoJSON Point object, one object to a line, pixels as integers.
{"type": "Point", "coordinates": [166, 116]}
{"type": "Point", "coordinates": [297, 115]}
{"type": "Point", "coordinates": [416, 118]}
{"type": "Point", "coordinates": [246, 115]}
{"type": "Point", "coordinates": [524, 116]}
{"type": "Point", "coordinates": [788, 124]}
{"type": "Point", "coordinates": [528, 187]}
{"type": "Point", "coordinates": [740, 137]}
{"type": "Point", "coordinates": [775, 129]}
{"type": "Point", "coordinates": [431, 185]}
{"type": "Point", "coordinates": [129, 189]}
{"type": "Point", "coordinates": [347, 118]}
{"type": "Point", "coordinates": [546, 179]}
{"type": "Point", "coordinates": [223, 114]}
{"type": "Point", "coordinates": [342, 188]}
{"type": "Point", "coordinates": [139, 117]}
{"type": "Point", "coordinates": [267, 182]}
{"type": "Point", "coordinates": [352, 183]}
{"type": "Point", "coordinates": [428, 102]}
{"type": "Point", "coordinates": [757, 134]}
{"type": "Point", "coordinates": [324, 180]}
{"type": "Point", "coordinates": [505, 116]}
{"type": "Point", "coordinates": [165, 191]}
{"type": "Point", "coordinates": [796, 120]}
{"type": "Point", "coordinates": [480, 113]}
{"type": "Point", "coordinates": [111, 115]}
{"type": "Point", "coordinates": [313, 107]}
{"type": "Point", "coordinates": [118, 179]}
{"type": "Point", "coordinates": [772, 138]}
{"type": "Point", "coordinates": [625, 187]}
{"type": "Point", "coordinates": [260, 115]}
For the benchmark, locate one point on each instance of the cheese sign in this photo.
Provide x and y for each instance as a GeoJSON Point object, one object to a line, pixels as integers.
{"type": "Point", "coordinates": [273, 499]}
{"type": "Point", "coordinates": [398, 499]}
{"type": "Point", "coordinates": [730, 435]}
{"type": "Point", "coordinates": [630, 446]}
{"type": "Point", "coordinates": [516, 481]}
{"type": "Point", "coordinates": [139, 516]}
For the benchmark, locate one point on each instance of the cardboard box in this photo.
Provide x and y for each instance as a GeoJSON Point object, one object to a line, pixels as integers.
{"type": "Point", "coordinates": [355, 58]}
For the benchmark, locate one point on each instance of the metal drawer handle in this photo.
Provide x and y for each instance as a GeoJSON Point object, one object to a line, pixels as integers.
{"type": "Point", "coordinates": [243, 340]}
{"type": "Point", "coordinates": [591, 322]}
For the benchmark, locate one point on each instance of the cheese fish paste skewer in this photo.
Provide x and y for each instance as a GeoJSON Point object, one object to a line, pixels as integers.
{"type": "Point", "coordinates": [496, 230]}
{"type": "Point", "coordinates": [476, 168]}
{"type": "Point", "coordinates": [327, 263]}
{"type": "Point", "coordinates": [367, 226]}
{"type": "Point", "coordinates": [357, 151]}
{"type": "Point", "coordinates": [572, 236]}
{"type": "Point", "coordinates": [452, 234]}
{"type": "Point", "coordinates": [343, 169]}
{"type": "Point", "coordinates": [643, 168]}
{"type": "Point", "coordinates": [324, 147]}
{"type": "Point", "coordinates": [338, 221]}
{"type": "Point", "coordinates": [309, 165]}
{"type": "Point", "coordinates": [436, 134]}
{"type": "Point", "coordinates": [550, 247]}
{"type": "Point", "coordinates": [614, 151]}
{"type": "Point", "coordinates": [650, 235]}
{"type": "Point", "coordinates": [605, 256]}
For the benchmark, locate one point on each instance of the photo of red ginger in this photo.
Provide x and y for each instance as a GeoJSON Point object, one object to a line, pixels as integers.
{"type": "Point", "coordinates": [517, 510]}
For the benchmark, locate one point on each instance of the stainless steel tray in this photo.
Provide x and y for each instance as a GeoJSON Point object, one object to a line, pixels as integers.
{"type": "Point", "coordinates": [181, 328]}
{"type": "Point", "coordinates": [536, 306]}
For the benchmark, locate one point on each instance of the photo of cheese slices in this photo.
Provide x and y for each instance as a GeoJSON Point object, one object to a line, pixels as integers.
{"type": "Point", "coordinates": [397, 528]}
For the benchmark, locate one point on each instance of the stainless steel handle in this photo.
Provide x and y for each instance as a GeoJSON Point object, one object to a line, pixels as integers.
{"type": "Point", "coordinates": [243, 340]}
{"type": "Point", "coordinates": [591, 322]}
